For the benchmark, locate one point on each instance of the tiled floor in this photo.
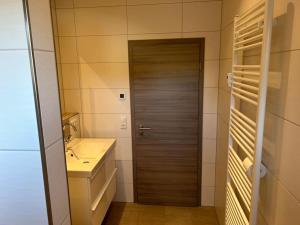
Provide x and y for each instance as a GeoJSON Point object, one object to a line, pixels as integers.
{"type": "Point", "coordinates": [134, 214]}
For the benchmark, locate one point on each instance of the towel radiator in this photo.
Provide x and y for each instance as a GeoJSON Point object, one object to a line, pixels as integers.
{"type": "Point", "coordinates": [248, 82]}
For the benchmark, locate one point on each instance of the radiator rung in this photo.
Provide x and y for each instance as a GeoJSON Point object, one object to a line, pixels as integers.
{"type": "Point", "coordinates": [244, 79]}
{"type": "Point", "coordinates": [246, 86]}
{"type": "Point", "coordinates": [248, 40]}
{"type": "Point", "coordinates": [248, 47]}
{"type": "Point", "coordinates": [244, 117]}
{"type": "Point", "coordinates": [246, 149]}
{"type": "Point", "coordinates": [244, 98]}
{"type": "Point", "coordinates": [249, 11]}
{"type": "Point", "coordinates": [251, 73]}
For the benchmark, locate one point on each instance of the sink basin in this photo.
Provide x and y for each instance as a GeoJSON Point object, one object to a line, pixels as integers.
{"type": "Point", "coordinates": [85, 155]}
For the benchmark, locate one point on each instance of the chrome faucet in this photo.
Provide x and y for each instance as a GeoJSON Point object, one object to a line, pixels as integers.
{"type": "Point", "coordinates": [67, 138]}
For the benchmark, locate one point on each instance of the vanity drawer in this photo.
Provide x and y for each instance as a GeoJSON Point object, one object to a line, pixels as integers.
{"type": "Point", "coordinates": [110, 164]}
{"type": "Point", "coordinates": [98, 182]}
{"type": "Point", "coordinates": [99, 211]}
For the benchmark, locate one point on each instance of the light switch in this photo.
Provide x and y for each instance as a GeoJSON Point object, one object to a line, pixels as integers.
{"type": "Point", "coordinates": [123, 122]}
{"type": "Point", "coordinates": [122, 96]}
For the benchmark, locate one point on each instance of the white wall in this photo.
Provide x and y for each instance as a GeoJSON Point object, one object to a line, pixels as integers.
{"type": "Point", "coordinates": [279, 194]}
{"type": "Point", "coordinates": [93, 36]}
{"type": "Point", "coordinates": [45, 64]}
{"type": "Point", "coordinates": [22, 190]}
{"type": "Point", "coordinates": [22, 195]}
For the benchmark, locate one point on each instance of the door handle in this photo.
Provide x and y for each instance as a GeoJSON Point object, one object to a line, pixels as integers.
{"type": "Point", "coordinates": [142, 129]}
{"type": "Point", "coordinates": [145, 128]}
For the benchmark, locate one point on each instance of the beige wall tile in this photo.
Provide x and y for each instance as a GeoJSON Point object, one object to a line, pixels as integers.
{"type": "Point", "coordinates": [41, 24]}
{"type": "Point", "coordinates": [56, 168]}
{"type": "Point", "coordinates": [95, 3]}
{"type": "Point", "coordinates": [105, 101]}
{"type": "Point", "coordinates": [12, 25]}
{"type": "Point", "coordinates": [285, 101]}
{"type": "Point", "coordinates": [202, 16]}
{"type": "Point", "coordinates": [67, 221]}
{"type": "Point", "coordinates": [65, 22]}
{"type": "Point", "coordinates": [208, 174]}
{"type": "Point", "coordinates": [276, 204]}
{"type": "Point", "coordinates": [125, 171]}
{"type": "Point", "coordinates": [167, 18]}
{"type": "Point", "coordinates": [124, 193]}
{"type": "Point", "coordinates": [281, 153]}
{"type": "Point", "coordinates": [140, 2]}
{"type": "Point", "coordinates": [101, 21]}
{"type": "Point", "coordinates": [210, 100]}
{"type": "Point", "coordinates": [105, 125]}
{"type": "Point", "coordinates": [68, 50]}
{"type": "Point", "coordinates": [154, 36]}
{"type": "Point", "coordinates": [226, 42]}
{"type": "Point", "coordinates": [72, 101]}
{"type": "Point", "coordinates": [70, 75]}
{"type": "Point", "coordinates": [209, 150]}
{"type": "Point", "coordinates": [123, 149]}
{"type": "Point", "coordinates": [207, 196]}
{"type": "Point", "coordinates": [209, 126]}
{"type": "Point", "coordinates": [211, 73]}
{"type": "Point", "coordinates": [212, 43]}
{"type": "Point", "coordinates": [104, 75]}
{"type": "Point", "coordinates": [62, 4]}
{"type": "Point", "coordinates": [286, 34]}
{"type": "Point", "coordinates": [48, 96]}
{"type": "Point", "coordinates": [225, 68]}
{"type": "Point", "coordinates": [103, 49]}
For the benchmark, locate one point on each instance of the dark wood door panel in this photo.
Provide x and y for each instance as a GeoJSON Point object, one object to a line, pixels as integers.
{"type": "Point", "coordinates": [166, 89]}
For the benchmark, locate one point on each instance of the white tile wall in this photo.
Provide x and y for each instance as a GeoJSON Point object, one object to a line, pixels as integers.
{"type": "Point", "coordinates": [167, 19]}
{"type": "Point", "coordinates": [66, 22]}
{"type": "Point", "coordinates": [101, 21]}
{"type": "Point", "coordinates": [210, 100]}
{"type": "Point", "coordinates": [209, 126]}
{"type": "Point", "coordinates": [125, 171]}
{"type": "Point", "coordinates": [99, 46]}
{"type": "Point", "coordinates": [12, 25]}
{"type": "Point", "coordinates": [95, 49]}
{"type": "Point", "coordinates": [22, 187]}
{"type": "Point", "coordinates": [209, 150]}
{"type": "Point", "coordinates": [202, 16]}
{"type": "Point", "coordinates": [57, 179]}
{"type": "Point", "coordinates": [70, 76]}
{"type": "Point", "coordinates": [95, 3]}
{"type": "Point", "coordinates": [95, 101]}
{"type": "Point", "coordinates": [104, 75]}
{"type": "Point", "coordinates": [41, 24]}
{"type": "Point", "coordinates": [123, 149]}
{"type": "Point", "coordinates": [49, 103]}
{"type": "Point", "coordinates": [16, 73]}
{"type": "Point", "coordinates": [72, 100]}
{"type": "Point", "coordinates": [105, 125]}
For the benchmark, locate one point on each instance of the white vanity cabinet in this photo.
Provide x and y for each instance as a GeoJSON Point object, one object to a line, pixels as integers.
{"type": "Point", "coordinates": [91, 193]}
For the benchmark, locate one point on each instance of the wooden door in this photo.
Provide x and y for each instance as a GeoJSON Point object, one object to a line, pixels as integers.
{"type": "Point", "coordinates": [166, 81]}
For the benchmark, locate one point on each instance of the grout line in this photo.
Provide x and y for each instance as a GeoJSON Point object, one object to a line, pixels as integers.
{"type": "Point", "coordinates": [282, 118]}
{"type": "Point", "coordinates": [132, 34]}
{"type": "Point", "coordinates": [77, 53]}
{"type": "Point", "coordinates": [20, 150]}
{"type": "Point", "coordinates": [13, 49]}
{"type": "Point", "coordinates": [53, 143]}
{"type": "Point", "coordinates": [143, 4]}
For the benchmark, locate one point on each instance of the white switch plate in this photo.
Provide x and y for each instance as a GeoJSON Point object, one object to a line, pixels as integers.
{"type": "Point", "coordinates": [123, 122]}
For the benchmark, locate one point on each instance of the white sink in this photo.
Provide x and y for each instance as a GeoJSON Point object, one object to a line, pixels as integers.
{"type": "Point", "coordinates": [85, 155]}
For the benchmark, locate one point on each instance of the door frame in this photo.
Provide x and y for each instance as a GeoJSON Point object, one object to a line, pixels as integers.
{"type": "Point", "coordinates": [201, 42]}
